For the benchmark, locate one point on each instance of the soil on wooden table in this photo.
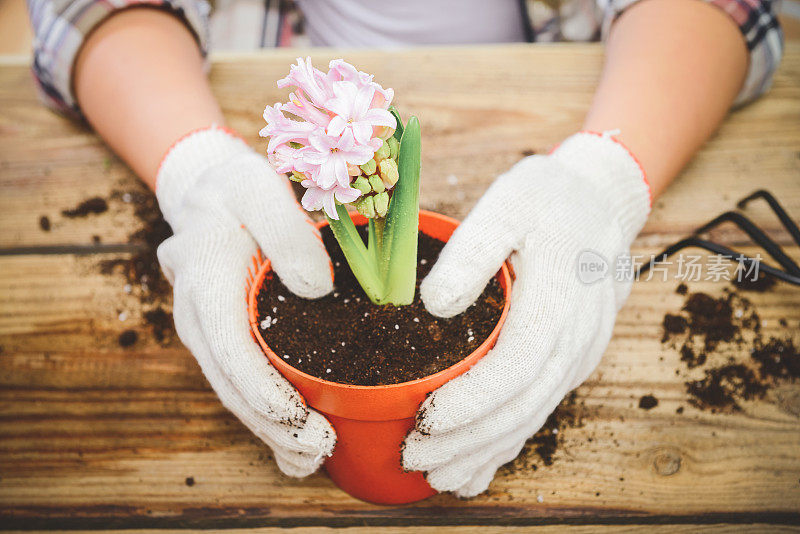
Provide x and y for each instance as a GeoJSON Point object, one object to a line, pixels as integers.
{"type": "Point", "coordinates": [94, 205]}
{"type": "Point", "coordinates": [344, 337]}
{"type": "Point", "coordinates": [710, 326]}
{"type": "Point", "coordinates": [541, 449]}
{"type": "Point", "coordinates": [141, 270]}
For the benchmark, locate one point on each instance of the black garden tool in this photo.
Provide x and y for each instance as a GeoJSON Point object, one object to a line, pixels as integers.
{"type": "Point", "coordinates": [789, 271]}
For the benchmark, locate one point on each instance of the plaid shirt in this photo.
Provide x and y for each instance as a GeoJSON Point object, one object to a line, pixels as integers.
{"type": "Point", "coordinates": [60, 27]}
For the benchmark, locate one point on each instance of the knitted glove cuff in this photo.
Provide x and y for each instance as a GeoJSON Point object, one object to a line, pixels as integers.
{"type": "Point", "coordinates": [614, 172]}
{"type": "Point", "coordinates": [188, 158]}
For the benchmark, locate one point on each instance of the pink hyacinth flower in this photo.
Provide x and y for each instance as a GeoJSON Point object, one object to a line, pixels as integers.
{"type": "Point", "coordinates": [344, 121]}
{"type": "Point", "coordinates": [282, 130]}
{"type": "Point", "coordinates": [351, 104]}
{"type": "Point", "coordinates": [300, 106]}
{"type": "Point", "coordinates": [332, 154]}
{"type": "Point", "coordinates": [316, 198]}
{"type": "Point", "coordinates": [340, 70]}
{"type": "Point", "coordinates": [312, 82]}
{"type": "Point", "coordinates": [287, 159]}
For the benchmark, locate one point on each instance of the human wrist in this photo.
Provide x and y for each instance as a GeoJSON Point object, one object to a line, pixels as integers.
{"type": "Point", "coordinates": [189, 157]}
{"type": "Point", "coordinates": [613, 172]}
{"type": "Point", "coordinates": [135, 68]}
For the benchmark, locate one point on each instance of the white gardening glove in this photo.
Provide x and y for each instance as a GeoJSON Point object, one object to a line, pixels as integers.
{"type": "Point", "coordinates": [589, 194]}
{"type": "Point", "coordinates": [223, 201]}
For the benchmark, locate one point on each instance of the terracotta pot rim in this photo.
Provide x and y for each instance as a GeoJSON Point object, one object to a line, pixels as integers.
{"type": "Point", "coordinates": [263, 266]}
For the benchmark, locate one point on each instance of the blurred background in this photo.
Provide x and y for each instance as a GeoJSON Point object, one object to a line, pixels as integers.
{"type": "Point", "coordinates": [240, 25]}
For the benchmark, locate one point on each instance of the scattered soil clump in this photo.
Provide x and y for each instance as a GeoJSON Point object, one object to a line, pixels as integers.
{"type": "Point", "coordinates": [94, 205]}
{"type": "Point", "coordinates": [705, 322]}
{"type": "Point", "coordinates": [128, 338]}
{"type": "Point", "coordinates": [761, 284]}
{"type": "Point", "coordinates": [778, 359]}
{"type": "Point", "coordinates": [541, 448]}
{"type": "Point", "coordinates": [648, 402]}
{"type": "Point", "coordinates": [717, 324]}
{"type": "Point", "coordinates": [710, 318]}
{"type": "Point", "coordinates": [673, 324]}
{"type": "Point", "coordinates": [161, 324]}
{"type": "Point", "coordinates": [44, 223]}
{"type": "Point", "coordinates": [722, 387]}
{"type": "Point", "coordinates": [691, 358]}
{"type": "Point", "coordinates": [141, 269]}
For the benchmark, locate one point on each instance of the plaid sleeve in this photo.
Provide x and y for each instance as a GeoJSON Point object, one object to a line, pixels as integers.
{"type": "Point", "coordinates": [758, 21]}
{"type": "Point", "coordinates": [60, 26]}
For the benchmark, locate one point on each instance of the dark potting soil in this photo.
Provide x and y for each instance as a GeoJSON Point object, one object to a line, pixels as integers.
{"type": "Point", "coordinates": [761, 284]}
{"type": "Point", "coordinates": [673, 324]}
{"type": "Point", "coordinates": [691, 358]}
{"type": "Point", "coordinates": [541, 448]}
{"type": "Point", "coordinates": [730, 319]}
{"type": "Point", "coordinates": [710, 318]}
{"type": "Point", "coordinates": [161, 324]}
{"type": "Point", "coordinates": [90, 205]}
{"type": "Point", "coordinates": [648, 402]}
{"type": "Point", "coordinates": [344, 337]}
{"type": "Point", "coordinates": [141, 270]}
{"type": "Point", "coordinates": [777, 359]}
{"type": "Point", "coordinates": [128, 338]}
{"type": "Point", "coordinates": [723, 386]}
{"type": "Point", "coordinates": [705, 322]}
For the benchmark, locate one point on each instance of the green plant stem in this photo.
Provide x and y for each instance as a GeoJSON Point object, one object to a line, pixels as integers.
{"type": "Point", "coordinates": [362, 261]}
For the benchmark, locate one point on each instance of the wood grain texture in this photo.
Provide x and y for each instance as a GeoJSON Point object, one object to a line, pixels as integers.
{"type": "Point", "coordinates": [588, 529]}
{"type": "Point", "coordinates": [93, 435]}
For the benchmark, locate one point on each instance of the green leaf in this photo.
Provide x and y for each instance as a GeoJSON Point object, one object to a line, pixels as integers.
{"type": "Point", "coordinates": [398, 132]}
{"type": "Point", "coordinates": [398, 261]}
{"type": "Point", "coordinates": [375, 238]}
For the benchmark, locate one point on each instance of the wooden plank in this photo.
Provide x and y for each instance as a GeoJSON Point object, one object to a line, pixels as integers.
{"type": "Point", "coordinates": [472, 130]}
{"type": "Point", "coordinates": [589, 529]}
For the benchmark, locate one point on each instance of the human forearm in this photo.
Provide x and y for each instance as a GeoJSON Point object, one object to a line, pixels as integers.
{"type": "Point", "coordinates": [140, 83]}
{"type": "Point", "coordinates": [673, 69]}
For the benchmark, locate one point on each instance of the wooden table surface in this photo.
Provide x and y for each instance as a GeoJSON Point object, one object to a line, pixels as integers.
{"type": "Point", "coordinates": [94, 435]}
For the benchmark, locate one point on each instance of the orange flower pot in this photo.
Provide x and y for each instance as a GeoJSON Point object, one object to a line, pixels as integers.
{"type": "Point", "coordinates": [371, 422]}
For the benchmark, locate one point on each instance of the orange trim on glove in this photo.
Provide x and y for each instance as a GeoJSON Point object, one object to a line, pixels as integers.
{"type": "Point", "coordinates": [630, 153]}
{"type": "Point", "coordinates": [229, 131]}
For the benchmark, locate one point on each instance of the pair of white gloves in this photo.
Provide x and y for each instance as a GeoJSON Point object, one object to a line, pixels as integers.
{"type": "Point", "coordinates": [224, 201]}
